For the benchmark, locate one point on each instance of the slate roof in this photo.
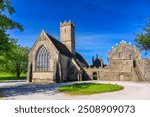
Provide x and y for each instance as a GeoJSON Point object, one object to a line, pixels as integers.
{"type": "Point", "coordinates": [64, 50]}
{"type": "Point", "coordinates": [61, 47]}
{"type": "Point", "coordinates": [80, 58]}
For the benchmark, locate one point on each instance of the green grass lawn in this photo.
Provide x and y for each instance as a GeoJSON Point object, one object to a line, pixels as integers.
{"type": "Point", "coordinates": [89, 88]}
{"type": "Point", "coordinates": [7, 76]}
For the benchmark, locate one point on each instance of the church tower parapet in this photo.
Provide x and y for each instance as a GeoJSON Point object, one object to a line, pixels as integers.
{"type": "Point", "coordinates": [67, 35]}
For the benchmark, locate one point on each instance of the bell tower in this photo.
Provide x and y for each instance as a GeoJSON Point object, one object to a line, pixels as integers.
{"type": "Point", "coordinates": [67, 35]}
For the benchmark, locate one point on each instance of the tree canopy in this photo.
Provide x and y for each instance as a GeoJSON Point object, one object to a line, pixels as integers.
{"type": "Point", "coordinates": [143, 39]}
{"type": "Point", "coordinates": [15, 60]}
{"type": "Point", "coordinates": [13, 57]}
{"type": "Point", "coordinates": [6, 24]}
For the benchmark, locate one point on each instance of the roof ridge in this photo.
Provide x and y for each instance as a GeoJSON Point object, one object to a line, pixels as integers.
{"type": "Point", "coordinates": [64, 50]}
{"type": "Point", "coordinates": [60, 46]}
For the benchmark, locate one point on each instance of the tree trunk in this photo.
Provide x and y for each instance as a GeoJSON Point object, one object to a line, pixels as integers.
{"type": "Point", "coordinates": [17, 71]}
{"type": "Point", "coordinates": [18, 75]}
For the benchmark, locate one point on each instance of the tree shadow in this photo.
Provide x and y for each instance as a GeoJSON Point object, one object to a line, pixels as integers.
{"type": "Point", "coordinates": [27, 89]}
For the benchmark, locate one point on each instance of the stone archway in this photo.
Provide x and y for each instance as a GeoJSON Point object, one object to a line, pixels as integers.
{"type": "Point", "coordinates": [121, 77]}
{"type": "Point", "coordinates": [79, 76]}
{"type": "Point", "coordinates": [94, 75]}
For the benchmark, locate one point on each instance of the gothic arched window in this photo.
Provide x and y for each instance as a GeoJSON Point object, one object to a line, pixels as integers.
{"type": "Point", "coordinates": [43, 60]}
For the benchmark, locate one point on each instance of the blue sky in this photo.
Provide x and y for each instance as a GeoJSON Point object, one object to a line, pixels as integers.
{"type": "Point", "coordinates": [99, 24]}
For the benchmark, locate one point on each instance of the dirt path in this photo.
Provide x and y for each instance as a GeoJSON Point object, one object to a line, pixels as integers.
{"type": "Point", "coordinates": [24, 91]}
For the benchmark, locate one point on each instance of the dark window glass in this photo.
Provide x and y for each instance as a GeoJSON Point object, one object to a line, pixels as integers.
{"type": "Point", "coordinates": [43, 60]}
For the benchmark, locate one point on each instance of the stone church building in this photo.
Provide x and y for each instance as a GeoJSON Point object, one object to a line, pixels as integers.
{"type": "Point", "coordinates": [53, 61]}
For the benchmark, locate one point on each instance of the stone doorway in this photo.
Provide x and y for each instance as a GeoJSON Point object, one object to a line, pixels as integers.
{"type": "Point", "coordinates": [94, 75]}
{"type": "Point", "coordinates": [121, 77]}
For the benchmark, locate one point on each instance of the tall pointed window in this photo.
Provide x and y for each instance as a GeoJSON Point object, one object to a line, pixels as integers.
{"type": "Point", "coordinates": [43, 60]}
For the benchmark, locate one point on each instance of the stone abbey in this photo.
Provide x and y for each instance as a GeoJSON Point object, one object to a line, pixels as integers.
{"type": "Point", "coordinates": [53, 61]}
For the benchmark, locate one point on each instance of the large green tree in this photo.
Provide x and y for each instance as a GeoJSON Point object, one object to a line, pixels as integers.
{"type": "Point", "coordinates": [143, 39]}
{"type": "Point", "coordinates": [6, 24]}
{"type": "Point", "coordinates": [15, 60]}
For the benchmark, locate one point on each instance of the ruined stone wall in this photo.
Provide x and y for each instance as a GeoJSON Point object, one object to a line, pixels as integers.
{"type": "Point", "coordinates": [124, 51]}
{"type": "Point", "coordinates": [108, 74]}
{"type": "Point", "coordinates": [119, 65]}
{"type": "Point", "coordinates": [147, 69]}
{"type": "Point", "coordinates": [140, 64]}
{"type": "Point", "coordinates": [125, 64]}
{"type": "Point", "coordinates": [101, 73]}
{"type": "Point", "coordinates": [119, 70]}
{"type": "Point", "coordinates": [144, 67]}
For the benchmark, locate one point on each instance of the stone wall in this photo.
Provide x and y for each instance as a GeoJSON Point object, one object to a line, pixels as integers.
{"type": "Point", "coordinates": [64, 66]}
{"type": "Point", "coordinates": [72, 72]}
{"type": "Point", "coordinates": [140, 65]}
{"type": "Point", "coordinates": [144, 68]}
{"type": "Point", "coordinates": [108, 74]}
{"type": "Point", "coordinates": [147, 69]}
{"type": "Point", "coordinates": [43, 77]}
{"type": "Point", "coordinates": [119, 65]}
{"type": "Point", "coordinates": [118, 70]}
{"type": "Point", "coordinates": [69, 69]}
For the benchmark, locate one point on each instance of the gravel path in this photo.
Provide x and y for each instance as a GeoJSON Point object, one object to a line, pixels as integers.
{"type": "Point", "coordinates": [20, 90]}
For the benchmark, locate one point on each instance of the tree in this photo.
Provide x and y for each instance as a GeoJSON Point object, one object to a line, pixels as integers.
{"type": "Point", "coordinates": [16, 60]}
{"type": "Point", "coordinates": [143, 39]}
{"type": "Point", "coordinates": [6, 24]}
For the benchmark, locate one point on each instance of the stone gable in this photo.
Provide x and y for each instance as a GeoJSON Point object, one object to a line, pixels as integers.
{"type": "Point", "coordinates": [124, 51]}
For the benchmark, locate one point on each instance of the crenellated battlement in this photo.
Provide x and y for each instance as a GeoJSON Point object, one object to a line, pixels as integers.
{"type": "Point", "coordinates": [67, 35]}
{"type": "Point", "coordinates": [124, 50]}
{"type": "Point", "coordinates": [122, 44]}
{"type": "Point", "coordinates": [65, 23]}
